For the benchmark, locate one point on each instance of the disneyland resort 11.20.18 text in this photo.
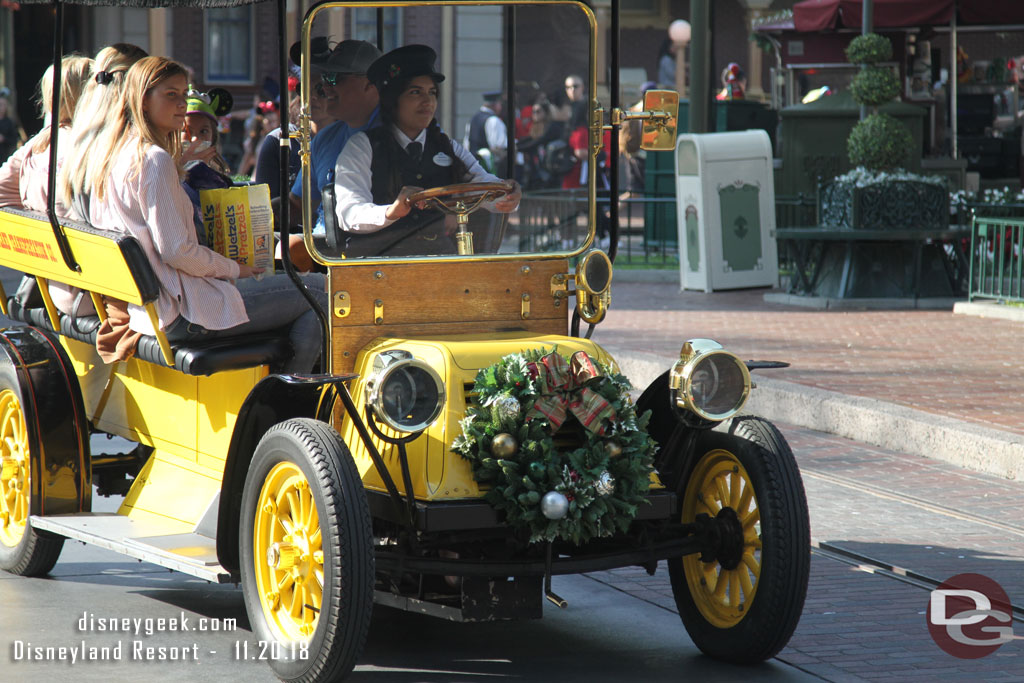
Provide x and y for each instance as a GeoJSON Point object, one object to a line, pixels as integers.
{"type": "Point", "coordinates": [136, 650]}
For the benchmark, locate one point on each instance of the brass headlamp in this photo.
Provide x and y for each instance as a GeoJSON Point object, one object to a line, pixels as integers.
{"type": "Point", "coordinates": [709, 381]}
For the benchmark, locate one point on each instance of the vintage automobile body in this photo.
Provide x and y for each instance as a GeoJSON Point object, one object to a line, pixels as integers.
{"type": "Point", "coordinates": [320, 498]}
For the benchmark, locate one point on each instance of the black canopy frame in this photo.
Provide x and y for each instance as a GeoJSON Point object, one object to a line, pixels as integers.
{"type": "Point", "coordinates": [285, 149]}
{"type": "Point", "coordinates": [285, 145]}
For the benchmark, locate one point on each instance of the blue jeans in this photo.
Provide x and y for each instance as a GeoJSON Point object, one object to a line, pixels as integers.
{"type": "Point", "coordinates": [271, 303]}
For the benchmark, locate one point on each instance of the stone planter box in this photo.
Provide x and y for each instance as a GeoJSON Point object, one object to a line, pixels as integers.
{"type": "Point", "coordinates": [893, 205]}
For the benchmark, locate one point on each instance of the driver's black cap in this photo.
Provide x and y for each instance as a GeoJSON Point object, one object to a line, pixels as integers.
{"type": "Point", "coordinates": [403, 63]}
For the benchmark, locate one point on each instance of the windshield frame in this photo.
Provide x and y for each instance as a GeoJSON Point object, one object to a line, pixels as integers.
{"type": "Point", "coordinates": [304, 136]}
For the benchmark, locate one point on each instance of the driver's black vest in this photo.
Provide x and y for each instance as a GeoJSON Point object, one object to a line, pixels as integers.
{"type": "Point", "coordinates": [391, 168]}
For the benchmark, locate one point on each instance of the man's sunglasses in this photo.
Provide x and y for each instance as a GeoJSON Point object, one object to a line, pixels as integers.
{"type": "Point", "coordinates": [332, 78]}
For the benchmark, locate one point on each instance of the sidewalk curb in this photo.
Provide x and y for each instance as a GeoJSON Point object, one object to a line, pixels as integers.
{"type": "Point", "coordinates": [989, 309]}
{"type": "Point", "coordinates": [863, 303]}
{"type": "Point", "coordinates": [879, 423]}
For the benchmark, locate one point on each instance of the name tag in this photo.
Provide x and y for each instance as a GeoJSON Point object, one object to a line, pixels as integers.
{"type": "Point", "coordinates": [442, 159]}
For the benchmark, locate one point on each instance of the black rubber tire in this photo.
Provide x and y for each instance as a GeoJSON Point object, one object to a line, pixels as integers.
{"type": "Point", "coordinates": [347, 542]}
{"type": "Point", "coordinates": [37, 552]}
{"type": "Point", "coordinates": [785, 553]}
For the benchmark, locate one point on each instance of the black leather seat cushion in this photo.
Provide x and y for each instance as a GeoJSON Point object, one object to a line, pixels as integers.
{"type": "Point", "coordinates": [201, 359]}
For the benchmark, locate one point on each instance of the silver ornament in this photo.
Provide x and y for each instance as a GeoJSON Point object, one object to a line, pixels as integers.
{"type": "Point", "coordinates": [504, 445]}
{"type": "Point", "coordinates": [613, 449]}
{"type": "Point", "coordinates": [507, 408]}
{"type": "Point", "coordinates": [554, 505]}
{"type": "Point", "coordinates": [605, 484]}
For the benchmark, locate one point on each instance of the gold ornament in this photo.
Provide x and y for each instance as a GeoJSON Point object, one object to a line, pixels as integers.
{"type": "Point", "coordinates": [613, 449]}
{"type": "Point", "coordinates": [504, 445]}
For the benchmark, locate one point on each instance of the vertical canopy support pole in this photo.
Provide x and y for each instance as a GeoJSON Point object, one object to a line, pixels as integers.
{"type": "Point", "coordinates": [284, 160]}
{"type": "Point", "coordinates": [51, 186]}
{"type": "Point", "coordinates": [510, 104]}
{"type": "Point", "coordinates": [953, 49]}
{"type": "Point", "coordinates": [700, 64]}
{"type": "Point", "coordinates": [612, 154]}
{"type": "Point", "coordinates": [380, 29]}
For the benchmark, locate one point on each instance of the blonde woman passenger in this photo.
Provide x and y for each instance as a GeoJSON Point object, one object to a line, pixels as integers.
{"type": "Point", "coordinates": [24, 178]}
{"type": "Point", "coordinates": [136, 189]}
{"type": "Point", "coordinates": [92, 118]}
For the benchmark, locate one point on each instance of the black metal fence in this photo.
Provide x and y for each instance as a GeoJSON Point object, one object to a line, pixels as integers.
{"type": "Point", "coordinates": [558, 219]}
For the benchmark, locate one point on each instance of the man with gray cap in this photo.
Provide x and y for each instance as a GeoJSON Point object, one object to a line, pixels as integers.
{"type": "Point", "coordinates": [351, 99]}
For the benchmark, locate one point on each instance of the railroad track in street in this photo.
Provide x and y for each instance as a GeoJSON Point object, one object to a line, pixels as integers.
{"type": "Point", "coordinates": [878, 567]}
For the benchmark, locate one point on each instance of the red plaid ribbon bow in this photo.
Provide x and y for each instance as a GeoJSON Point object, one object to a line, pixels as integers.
{"type": "Point", "coordinates": [563, 388]}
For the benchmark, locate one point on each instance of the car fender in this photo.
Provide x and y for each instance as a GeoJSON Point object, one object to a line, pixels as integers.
{"type": "Point", "coordinates": [275, 399]}
{"type": "Point", "coordinates": [54, 412]}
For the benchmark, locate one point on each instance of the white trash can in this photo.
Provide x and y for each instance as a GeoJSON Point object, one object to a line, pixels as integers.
{"type": "Point", "coordinates": [725, 203]}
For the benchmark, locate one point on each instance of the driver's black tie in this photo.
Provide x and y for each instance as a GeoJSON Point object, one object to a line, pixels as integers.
{"type": "Point", "coordinates": [414, 150]}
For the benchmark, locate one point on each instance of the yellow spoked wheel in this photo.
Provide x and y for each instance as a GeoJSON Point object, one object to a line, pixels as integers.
{"type": "Point", "coordinates": [15, 470]}
{"type": "Point", "coordinates": [306, 551]}
{"type": "Point", "coordinates": [287, 553]}
{"type": "Point", "coordinates": [721, 590]}
{"type": "Point", "coordinates": [741, 489]}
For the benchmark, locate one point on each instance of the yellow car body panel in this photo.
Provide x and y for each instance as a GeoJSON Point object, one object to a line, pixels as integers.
{"type": "Point", "coordinates": [437, 473]}
{"type": "Point", "coordinates": [189, 420]}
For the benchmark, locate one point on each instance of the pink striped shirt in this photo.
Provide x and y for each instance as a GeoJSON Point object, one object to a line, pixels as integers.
{"type": "Point", "coordinates": [152, 207]}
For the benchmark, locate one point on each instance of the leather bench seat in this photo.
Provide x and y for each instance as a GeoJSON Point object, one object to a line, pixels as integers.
{"type": "Point", "coordinates": [203, 358]}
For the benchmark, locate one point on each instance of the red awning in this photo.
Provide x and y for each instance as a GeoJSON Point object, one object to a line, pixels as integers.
{"type": "Point", "coordinates": [990, 12]}
{"type": "Point", "coordinates": [820, 15]}
{"type": "Point", "coordinates": [815, 15]}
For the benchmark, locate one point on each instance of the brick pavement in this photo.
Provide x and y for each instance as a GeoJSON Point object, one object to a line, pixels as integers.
{"type": "Point", "coordinates": [925, 516]}
{"type": "Point", "coordinates": [963, 367]}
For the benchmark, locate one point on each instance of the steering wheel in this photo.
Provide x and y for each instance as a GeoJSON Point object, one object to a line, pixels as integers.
{"type": "Point", "coordinates": [460, 200]}
{"type": "Point", "coordinates": [470, 196]}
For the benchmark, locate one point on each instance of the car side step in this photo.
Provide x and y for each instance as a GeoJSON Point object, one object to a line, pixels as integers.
{"type": "Point", "coordinates": [160, 543]}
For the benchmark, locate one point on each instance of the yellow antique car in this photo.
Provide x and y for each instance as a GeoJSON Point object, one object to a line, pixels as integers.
{"type": "Point", "coordinates": [463, 443]}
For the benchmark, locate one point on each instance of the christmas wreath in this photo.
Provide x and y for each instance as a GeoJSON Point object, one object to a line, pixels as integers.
{"type": "Point", "coordinates": [560, 445]}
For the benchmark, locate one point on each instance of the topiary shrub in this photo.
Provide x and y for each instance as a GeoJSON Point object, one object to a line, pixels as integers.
{"type": "Point", "coordinates": [874, 85]}
{"type": "Point", "coordinates": [869, 49]}
{"type": "Point", "coordinates": [879, 143]}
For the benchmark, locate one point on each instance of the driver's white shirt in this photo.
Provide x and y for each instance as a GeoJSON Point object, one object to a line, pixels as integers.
{"type": "Point", "coordinates": [352, 178]}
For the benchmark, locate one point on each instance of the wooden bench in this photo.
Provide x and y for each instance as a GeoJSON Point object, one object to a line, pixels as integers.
{"type": "Point", "coordinates": [811, 249]}
{"type": "Point", "coordinates": [115, 266]}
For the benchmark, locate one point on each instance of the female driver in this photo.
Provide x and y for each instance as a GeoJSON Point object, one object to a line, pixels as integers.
{"type": "Point", "coordinates": [378, 170]}
{"type": "Point", "coordinates": [137, 189]}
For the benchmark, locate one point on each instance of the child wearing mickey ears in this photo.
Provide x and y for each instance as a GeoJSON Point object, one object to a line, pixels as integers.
{"type": "Point", "coordinates": [200, 133]}
{"type": "Point", "coordinates": [204, 167]}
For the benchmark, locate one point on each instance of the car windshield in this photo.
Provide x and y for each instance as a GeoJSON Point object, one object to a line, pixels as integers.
{"type": "Point", "coordinates": [462, 94]}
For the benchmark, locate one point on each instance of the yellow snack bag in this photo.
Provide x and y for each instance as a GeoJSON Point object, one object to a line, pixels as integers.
{"type": "Point", "coordinates": [240, 225]}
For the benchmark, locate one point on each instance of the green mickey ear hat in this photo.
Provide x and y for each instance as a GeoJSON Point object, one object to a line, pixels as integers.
{"type": "Point", "coordinates": [217, 102]}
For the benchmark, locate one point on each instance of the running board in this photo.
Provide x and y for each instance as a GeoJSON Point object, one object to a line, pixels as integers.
{"type": "Point", "coordinates": [155, 542]}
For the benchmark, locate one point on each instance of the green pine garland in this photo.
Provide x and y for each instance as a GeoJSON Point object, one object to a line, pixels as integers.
{"type": "Point", "coordinates": [518, 482]}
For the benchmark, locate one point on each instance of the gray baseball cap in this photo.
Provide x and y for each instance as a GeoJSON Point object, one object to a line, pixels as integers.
{"type": "Point", "coordinates": [349, 57]}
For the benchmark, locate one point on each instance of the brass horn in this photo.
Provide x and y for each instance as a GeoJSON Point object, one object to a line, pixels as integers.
{"type": "Point", "coordinates": [593, 286]}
